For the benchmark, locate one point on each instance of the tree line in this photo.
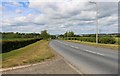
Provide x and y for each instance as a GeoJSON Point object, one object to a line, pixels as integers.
{"type": "Point", "coordinates": [72, 34]}
{"type": "Point", "coordinates": [44, 34]}
{"type": "Point", "coordinates": [103, 38]}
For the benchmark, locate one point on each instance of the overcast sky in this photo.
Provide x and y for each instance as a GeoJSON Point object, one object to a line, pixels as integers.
{"type": "Point", "coordinates": [58, 17]}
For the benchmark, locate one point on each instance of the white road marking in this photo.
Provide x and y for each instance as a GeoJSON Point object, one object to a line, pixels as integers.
{"type": "Point", "coordinates": [82, 49]}
{"type": "Point", "coordinates": [66, 44]}
{"type": "Point", "coordinates": [73, 67]}
{"type": "Point", "coordinates": [76, 47]}
{"type": "Point", "coordinates": [72, 46]}
{"type": "Point", "coordinates": [93, 52]}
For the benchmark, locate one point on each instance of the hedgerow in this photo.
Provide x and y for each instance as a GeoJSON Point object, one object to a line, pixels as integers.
{"type": "Point", "coordinates": [15, 44]}
{"type": "Point", "coordinates": [105, 40]}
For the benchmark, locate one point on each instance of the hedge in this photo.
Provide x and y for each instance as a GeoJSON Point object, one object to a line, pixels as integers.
{"type": "Point", "coordinates": [11, 45]}
{"type": "Point", "coordinates": [105, 40]}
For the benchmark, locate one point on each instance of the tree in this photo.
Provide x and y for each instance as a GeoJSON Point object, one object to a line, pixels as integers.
{"type": "Point", "coordinates": [69, 34]}
{"type": "Point", "coordinates": [65, 34]}
{"type": "Point", "coordinates": [44, 34]}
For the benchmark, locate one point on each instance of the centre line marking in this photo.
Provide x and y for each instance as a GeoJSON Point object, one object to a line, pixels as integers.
{"type": "Point", "coordinates": [94, 52]}
{"type": "Point", "coordinates": [83, 49]}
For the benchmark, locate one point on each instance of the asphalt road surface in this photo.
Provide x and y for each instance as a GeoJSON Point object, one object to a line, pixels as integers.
{"type": "Point", "coordinates": [88, 59]}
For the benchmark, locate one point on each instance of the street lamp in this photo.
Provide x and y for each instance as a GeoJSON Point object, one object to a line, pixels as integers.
{"type": "Point", "coordinates": [97, 30]}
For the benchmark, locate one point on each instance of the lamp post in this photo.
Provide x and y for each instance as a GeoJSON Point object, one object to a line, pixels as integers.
{"type": "Point", "coordinates": [97, 30]}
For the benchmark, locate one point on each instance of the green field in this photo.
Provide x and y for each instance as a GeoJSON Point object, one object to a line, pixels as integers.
{"type": "Point", "coordinates": [15, 39]}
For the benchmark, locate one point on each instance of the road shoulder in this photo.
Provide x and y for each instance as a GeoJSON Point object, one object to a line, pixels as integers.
{"type": "Point", "coordinates": [56, 65]}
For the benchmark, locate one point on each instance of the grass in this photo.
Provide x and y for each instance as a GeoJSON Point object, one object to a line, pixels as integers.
{"type": "Point", "coordinates": [117, 40]}
{"type": "Point", "coordinates": [15, 39]}
{"type": "Point", "coordinates": [32, 53]}
{"type": "Point", "coordinates": [110, 46]}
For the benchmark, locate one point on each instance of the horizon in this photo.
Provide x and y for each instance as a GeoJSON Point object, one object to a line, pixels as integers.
{"type": "Point", "coordinates": [58, 34]}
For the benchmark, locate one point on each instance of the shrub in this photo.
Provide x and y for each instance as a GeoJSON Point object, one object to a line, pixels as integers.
{"type": "Point", "coordinates": [107, 40]}
{"type": "Point", "coordinates": [11, 45]}
{"type": "Point", "coordinates": [88, 39]}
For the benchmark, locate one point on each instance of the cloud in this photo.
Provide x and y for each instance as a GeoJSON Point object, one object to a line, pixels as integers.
{"type": "Point", "coordinates": [19, 11]}
{"type": "Point", "coordinates": [58, 17]}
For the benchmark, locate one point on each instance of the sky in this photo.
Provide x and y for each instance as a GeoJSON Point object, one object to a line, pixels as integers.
{"type": "Point", "coordinates": [58, 16]}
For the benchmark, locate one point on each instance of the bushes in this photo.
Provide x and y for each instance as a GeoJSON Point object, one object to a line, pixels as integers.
{"type": "Point", "coordinates": [15, 44]}
{"type": "Point", "coordinates": [88, 39]}
{"type": "Point", "coordinates": [105, 40]}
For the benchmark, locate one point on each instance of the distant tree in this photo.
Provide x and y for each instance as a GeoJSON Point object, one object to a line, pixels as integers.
{"type": "Point", "coordinates": [69, 34]}
{"type": "Point", "coordinates": [65, 34]}
{"type": "Point", "coordinates": [44, 34]}
{"type": "Point", "coordinates": [20, 35]}
{"type": "Point", "coordinates": [53, 36]}
{"type": "Point", "coordinates": [61, 35]}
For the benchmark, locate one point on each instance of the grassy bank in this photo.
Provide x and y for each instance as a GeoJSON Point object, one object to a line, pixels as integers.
{"type": "Point", "coordinates": [36, 52]}
{"type": "Point", "coordinates": [110, 46]}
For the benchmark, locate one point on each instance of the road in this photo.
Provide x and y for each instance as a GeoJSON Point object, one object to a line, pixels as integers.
{"type": "Point", "coordinates": [88, 59]}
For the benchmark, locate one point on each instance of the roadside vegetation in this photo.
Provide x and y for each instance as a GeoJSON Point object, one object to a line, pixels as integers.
{"type": "Point", "coordinates": [11, 41]}
{"type": "Point", "coordinates": [36, 52]}
{"type": "Point", "coordinates": [25, 48]}
{"type": "Point", "coordinates": [111, 41]}
{"type": "Point", "coordinates": [109, 46]}
{"type": "Point", "coordinates": [8, 45]}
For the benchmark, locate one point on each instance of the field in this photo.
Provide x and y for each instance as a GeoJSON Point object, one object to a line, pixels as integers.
{"type": "Point", "coordinates": [36, 52]}
{"type": "Point", "coordinates": [15, 39]}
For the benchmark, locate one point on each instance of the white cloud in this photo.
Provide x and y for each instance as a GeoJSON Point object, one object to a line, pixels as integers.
{"type": "Point", "coordinates": [67, 15]}
{"type": "Point", "coordinates": [110, 20]}
{"type": "Point", "coordinates": [19, 11]}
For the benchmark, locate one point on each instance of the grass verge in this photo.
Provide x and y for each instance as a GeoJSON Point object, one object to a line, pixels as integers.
{"type": "Point", "coordinates": [109, 46]}
{"type": "Point", "coordinates": [36, 52]}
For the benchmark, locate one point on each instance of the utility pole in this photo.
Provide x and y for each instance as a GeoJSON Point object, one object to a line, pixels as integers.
{"type": "Point", "coordinates": [97, 28]}
{"type": "Point", "coordinates": [67, 35]}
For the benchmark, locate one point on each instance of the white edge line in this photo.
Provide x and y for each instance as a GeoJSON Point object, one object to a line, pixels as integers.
{"type": "Point", "coordinates": [73, 67]}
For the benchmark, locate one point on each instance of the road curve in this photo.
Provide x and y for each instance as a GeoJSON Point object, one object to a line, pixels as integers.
{"type": "Point", "coordinates": [88, 59]}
